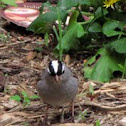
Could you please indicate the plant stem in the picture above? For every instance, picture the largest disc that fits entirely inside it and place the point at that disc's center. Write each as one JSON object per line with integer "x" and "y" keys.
{"x": 56, "y": 33}
{"x": 124, "y": 71}
{"x": 60, "y": 35}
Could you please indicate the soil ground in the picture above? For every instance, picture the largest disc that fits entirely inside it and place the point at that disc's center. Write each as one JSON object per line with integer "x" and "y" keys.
{"x": 20, "y": 69}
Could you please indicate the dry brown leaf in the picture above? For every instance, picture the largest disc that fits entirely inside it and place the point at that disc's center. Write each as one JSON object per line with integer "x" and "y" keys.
{"x": 2, "y": 45}
{"x": 13, "y": 39}
{"x": 110, "y": 95}
{"x": 39, "y": 55}
{"x": 15, "y": 120}
{"x": 10, "y": 104}
{"x": 122, "y": 122}
{"x": 1, "y": 109}
{"x": 5, "y": 119}
{"x": 71, "y": 124}
{"x": 45, "y": 60}
{"x": 23, "y": 87}
{"x": 31, "y": 55}
{"x": 67, "y": 59}
{"x": 2, "y": 81}
{"x": 15, "y": 64}
{"x": 112, "y": 85}
{"x": 29, "y": 46}
{"x": 21, "y": 114}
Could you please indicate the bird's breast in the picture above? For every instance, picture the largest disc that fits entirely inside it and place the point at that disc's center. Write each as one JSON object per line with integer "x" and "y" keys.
{"x": 59, "y": 94}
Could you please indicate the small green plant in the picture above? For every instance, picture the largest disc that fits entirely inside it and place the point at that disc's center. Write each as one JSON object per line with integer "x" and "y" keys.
{"x": 82, "y": 115}
{"x": 46, "y": 39}
{"x": 91, "y": 92}
{"x": 24, "y": 98}
{"x": 59, "y": 36}
{"x": 26, "y": 124}
{"x": 6, "y": 90}
{"x": 98, "y": 123}
{"x": 91, "y": 89}
{"x": 4, "y": 38}
{"x": 17, "y": 98}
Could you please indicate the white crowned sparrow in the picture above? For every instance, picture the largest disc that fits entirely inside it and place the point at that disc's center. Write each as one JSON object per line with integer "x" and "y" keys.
{"x": 57, "y": 85}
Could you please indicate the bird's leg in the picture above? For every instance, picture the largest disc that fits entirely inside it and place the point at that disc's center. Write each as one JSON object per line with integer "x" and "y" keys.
{"x": 72, "y": 108}
{"x": 44, "y": 122}
{"x": 62, "y": 115}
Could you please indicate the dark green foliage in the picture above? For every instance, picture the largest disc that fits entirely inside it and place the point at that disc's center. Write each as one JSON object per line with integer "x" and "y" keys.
{"x": 8, "y": 2}
{"x": 102, "y": 66}
{"x": 102, "y": 25}
{"x": 25, "y": 98}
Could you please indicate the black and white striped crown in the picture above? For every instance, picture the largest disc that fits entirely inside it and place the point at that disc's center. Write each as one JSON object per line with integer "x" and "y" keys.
{"x": 56, "y": 68}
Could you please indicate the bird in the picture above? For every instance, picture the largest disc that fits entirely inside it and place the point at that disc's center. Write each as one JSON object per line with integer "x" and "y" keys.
{"x": 57, "y": 86}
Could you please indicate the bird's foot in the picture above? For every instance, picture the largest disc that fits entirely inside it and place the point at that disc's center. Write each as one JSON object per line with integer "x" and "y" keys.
{"x": 62, "y": 120}
{"x": 70, "y": 120}
{"x": 44, "y": 122}
{"x": 62, "y": 116}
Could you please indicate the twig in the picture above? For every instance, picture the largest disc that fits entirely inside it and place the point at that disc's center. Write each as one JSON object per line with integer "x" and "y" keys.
{"x": 102, "y": 107}
{"x": 2, "y": 30}
{"x": 28, "y": 108}
{"x": 15, "y": 121}
{"x": 17, "y": 108}
{"x": 16, "y": 43}
{"x": 35, "y": 116}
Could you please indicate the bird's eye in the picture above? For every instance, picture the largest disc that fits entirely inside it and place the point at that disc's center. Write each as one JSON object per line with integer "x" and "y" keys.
{"x": 51, "y": 70}
{"x": 63, "y": 71}
{"x": 60, "y": 68}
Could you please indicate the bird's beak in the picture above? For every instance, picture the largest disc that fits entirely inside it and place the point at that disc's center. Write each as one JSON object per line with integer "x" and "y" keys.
{"x": 57, "y": 78}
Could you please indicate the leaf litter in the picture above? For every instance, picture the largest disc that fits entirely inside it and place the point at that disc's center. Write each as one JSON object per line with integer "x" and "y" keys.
{"x": 20, "y": 70}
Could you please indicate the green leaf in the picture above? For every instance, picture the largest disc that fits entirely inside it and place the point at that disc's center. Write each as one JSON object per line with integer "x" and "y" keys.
{"x": 45, "y": 21}
{"x": 74, "y": 31}
{"x": 9, "y": 2}
{"x": 91, "y": 89}
{"x": 84, "y": 2}
{"x": 46, "y": 37}
{"x": 121, "y": 25}
{"x": 80, "y": 31}
{"x": 16, "y": 98}
{"x": 118, "y": 45}
{"x": 34, "y": 97}
{"x": 95, "y": 28}
{"x": 109, "y": 28}
{"x": 47, "y": 4}
{"x": 67, "y": 4}
{"x": 101, "y": 66}
{"x": 2, "y": 6}
{"x": 98, "y": 123}
{"x": 25, "y": 95}
{"x": 38, "y": 49}
{"x": 69, "y": 39}
{"x": 100, "y": 12}
{"x": 96, "y": 3}
{"x": 27, "y": 101}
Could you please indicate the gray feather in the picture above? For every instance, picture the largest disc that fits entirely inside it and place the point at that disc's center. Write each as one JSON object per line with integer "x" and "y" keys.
{"x": 59, "y": 93}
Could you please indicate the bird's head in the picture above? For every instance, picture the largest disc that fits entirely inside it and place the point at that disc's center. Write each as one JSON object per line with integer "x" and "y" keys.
{"x": 56, "y": 69}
